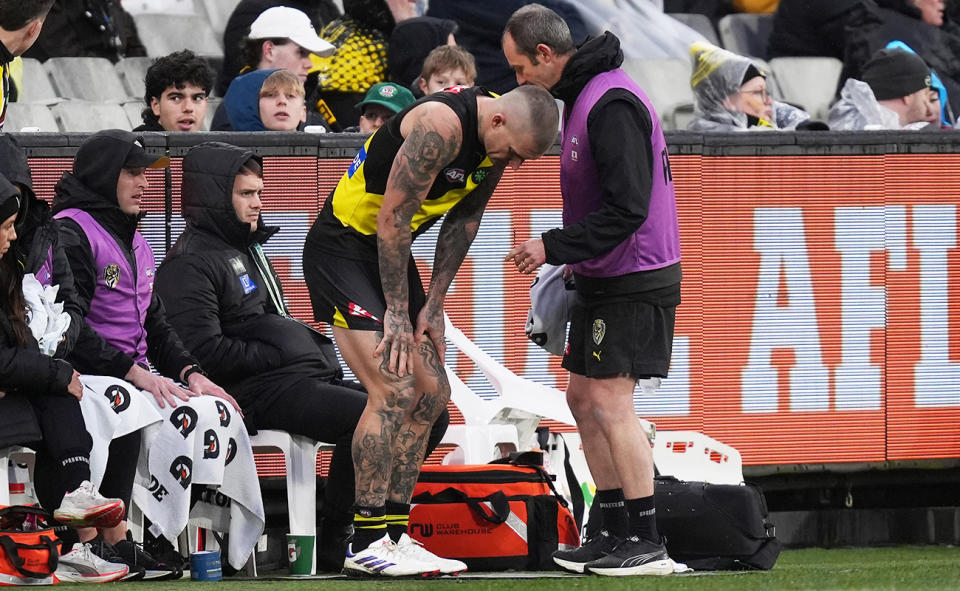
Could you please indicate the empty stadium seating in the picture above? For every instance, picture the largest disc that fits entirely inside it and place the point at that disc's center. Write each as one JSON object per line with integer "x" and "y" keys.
{"x": 21, "y": 115}
{"x": 808, "y": 82}
{"x": 90, "y": 116}
{"x": 132, "y": 72}
{"x": 162, "y": 34}
{"x": 666, "y": 82}
{"x": 699, "y": 23}
{"x": 85, "y": 78}
{"x": 36, "y": 86}
{"x": 746, "y": 33}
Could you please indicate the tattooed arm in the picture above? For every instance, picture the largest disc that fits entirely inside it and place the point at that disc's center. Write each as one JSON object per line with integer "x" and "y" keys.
{"x": 456, "y": 235}
{"x": 432, "y": 139}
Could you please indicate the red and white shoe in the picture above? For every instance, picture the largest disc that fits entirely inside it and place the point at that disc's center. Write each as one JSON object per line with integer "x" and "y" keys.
{"x": 85, "y": 507}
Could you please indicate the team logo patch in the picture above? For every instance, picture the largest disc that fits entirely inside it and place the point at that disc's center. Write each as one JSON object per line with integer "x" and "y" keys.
{"x": 224, "y": 414}
{"x": 111, "y": 275}
{"x": 237, "y": 265}
{"x": 479, "y": 175}
{"x": 231, "y": 451}
{"x": 182, "y": 470}
{"x": 149, "y": 273}
{"x": 599, "y": 329}
{"x": 455, "y": 175}
{"x": 211, "y": 444}
{"x": 355, "y": 310}
{"x": 456, "y": 89}
{"x": 119, "y": 398}
{"x": 357, "y": 161}
{"x": 184, "y": 419}
{"x": 247, "y": 284}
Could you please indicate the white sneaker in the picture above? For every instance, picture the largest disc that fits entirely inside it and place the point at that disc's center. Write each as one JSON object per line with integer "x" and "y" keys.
{"x": 81, "y": 565}
{"x": 85, "y": 507}
{"x": 446, "y": 566}
{"x": 384, "y": 559}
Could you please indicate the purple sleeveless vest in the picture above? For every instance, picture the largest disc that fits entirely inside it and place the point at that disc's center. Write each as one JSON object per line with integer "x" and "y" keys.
{"x": 120, "y": 301}
{"x": 656, "y": 244}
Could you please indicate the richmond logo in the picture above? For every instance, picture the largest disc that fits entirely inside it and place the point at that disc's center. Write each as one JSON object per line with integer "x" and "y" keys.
{"x": 111, "y": 275}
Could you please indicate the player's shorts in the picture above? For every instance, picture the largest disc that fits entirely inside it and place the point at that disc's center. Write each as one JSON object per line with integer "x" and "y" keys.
{"x": 348, "y": 293}
{"x": 630, "y": 334}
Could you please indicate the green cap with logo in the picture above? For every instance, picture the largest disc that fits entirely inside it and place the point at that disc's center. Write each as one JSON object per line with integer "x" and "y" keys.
{"x": 389, "y": 95}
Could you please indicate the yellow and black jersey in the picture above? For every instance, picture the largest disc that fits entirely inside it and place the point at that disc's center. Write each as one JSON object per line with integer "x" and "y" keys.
{"x": 347, "y": 224}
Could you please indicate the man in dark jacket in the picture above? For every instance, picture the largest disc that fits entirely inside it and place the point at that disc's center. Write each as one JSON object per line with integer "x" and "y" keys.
{"x": 223, "y": 295}
{"x": 88, "y": 28}
{"x": 621, "y": 241}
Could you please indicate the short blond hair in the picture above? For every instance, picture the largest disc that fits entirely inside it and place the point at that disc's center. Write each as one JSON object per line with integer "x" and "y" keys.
{"x": 445, "y": 58}
{"x": 283, "y": 81}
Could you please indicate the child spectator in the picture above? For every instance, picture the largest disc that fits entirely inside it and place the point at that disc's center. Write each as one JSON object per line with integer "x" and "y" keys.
{"x": 266, "y": 100}
{"x": 446, "y": 66}
{"x": 176, "y": 96}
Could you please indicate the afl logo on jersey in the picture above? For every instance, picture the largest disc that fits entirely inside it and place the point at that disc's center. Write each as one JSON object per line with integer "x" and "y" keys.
{"x": 455, "y": 176}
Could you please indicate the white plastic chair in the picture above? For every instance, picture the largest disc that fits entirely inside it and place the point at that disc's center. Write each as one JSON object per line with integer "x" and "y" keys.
{"x": 17, "y": 454}
{"x": 691, "y": 455}
{"x": 300, "y": 460}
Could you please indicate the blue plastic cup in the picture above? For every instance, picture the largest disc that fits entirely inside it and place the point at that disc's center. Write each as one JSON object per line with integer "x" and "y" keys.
{"x": 205, "y": 566}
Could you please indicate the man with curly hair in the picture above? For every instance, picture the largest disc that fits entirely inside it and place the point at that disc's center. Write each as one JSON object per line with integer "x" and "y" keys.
{"x": 177, "y": 86}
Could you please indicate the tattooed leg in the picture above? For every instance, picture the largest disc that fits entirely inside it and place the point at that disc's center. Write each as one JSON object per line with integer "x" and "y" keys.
{"x": 412, "y": 435}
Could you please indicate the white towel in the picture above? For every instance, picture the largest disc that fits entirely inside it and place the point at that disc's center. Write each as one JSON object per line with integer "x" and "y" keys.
{"x": 551, "y": 302}
{"x": 46, "y": 318}
{"x": 111, "y": 408}
{"x": 201, "y": 442}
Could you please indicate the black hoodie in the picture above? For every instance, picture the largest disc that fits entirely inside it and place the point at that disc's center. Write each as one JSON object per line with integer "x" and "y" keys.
{"x": 217, "y": 295}
{"x": 619, "y": 126}
{"x": 92, "y": 187}
{"x": 37, "y": 239}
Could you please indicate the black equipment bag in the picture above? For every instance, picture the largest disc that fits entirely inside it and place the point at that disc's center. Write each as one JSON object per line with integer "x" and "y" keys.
{"x": 715, "y": 526}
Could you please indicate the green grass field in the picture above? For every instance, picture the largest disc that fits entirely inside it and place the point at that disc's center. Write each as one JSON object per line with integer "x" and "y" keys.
{"x": 906, "y": 568}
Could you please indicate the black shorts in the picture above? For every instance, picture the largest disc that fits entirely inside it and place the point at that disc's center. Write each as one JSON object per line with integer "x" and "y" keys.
{"x": 629, "y": 334}
{"x": 348, "y": 293}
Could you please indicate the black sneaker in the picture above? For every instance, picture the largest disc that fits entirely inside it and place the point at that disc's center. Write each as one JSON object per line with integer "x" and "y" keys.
{"x": 135, "y": 556}
{"x": 596, "y": 547}
{"x": 633, "y": 556}
{"x": 109, "y": 553}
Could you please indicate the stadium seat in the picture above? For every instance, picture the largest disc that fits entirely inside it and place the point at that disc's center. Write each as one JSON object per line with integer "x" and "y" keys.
{"x": 700, "y": 23}
{"x": 300, "y": 459}
{"x": 666, "y": 82}
{"x": 132, "y": 72}
{"x": 746, "y": 34}
{"x": 90, "y": 116}
{"x": 85, "y": 78}
{"x": 160, "y": 6}
{"x": 37, "y": 87}
{"x": 218, "y": 12}
{"x": 133, "y": 108}
{"x": 809, "y": 82}
{"x": 20, "y": 115}
{"x": 162, "y": 34}
{"x": 213, "y": 104}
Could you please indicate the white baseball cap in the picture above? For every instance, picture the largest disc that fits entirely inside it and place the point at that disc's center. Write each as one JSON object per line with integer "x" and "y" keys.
{"x": 283, "y": 22}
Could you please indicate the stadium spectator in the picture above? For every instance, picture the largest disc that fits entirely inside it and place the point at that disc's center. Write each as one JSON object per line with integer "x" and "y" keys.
{"x": 620, "y": 239}
{"x": 441, "y": 157}
{"x": 809, "y": 28}
{"x": 411, "y": 42}
{"x": 320, "y": 12}
{"x": 21, "y": 22}
{"x": 730, "y": 94}
{"x": 266, "y": 100}
{"x": 90, "y": 556}
{"x": 177, "y": 87}
{"x": 895, "y": 93}
{"x": 479, "y": 25}
{"x": 382, "y": 101}
{"x": 91, "y": 28}
{"x": 446, "y": 66}
{"x": 224, "y": 296}
{"x": 919, "y": 24}
{"x": 280, "y": 38}
{"x": 360, "y": 60}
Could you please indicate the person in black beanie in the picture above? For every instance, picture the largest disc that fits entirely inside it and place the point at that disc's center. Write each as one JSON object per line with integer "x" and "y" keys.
{"x": 900, "y": 81}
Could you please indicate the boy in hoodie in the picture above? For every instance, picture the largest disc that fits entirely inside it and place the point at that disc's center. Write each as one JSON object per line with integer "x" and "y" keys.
{"x": 266, "y": 100}
{"x": 621, "y": 241}
{"x": 223, "y": 295}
